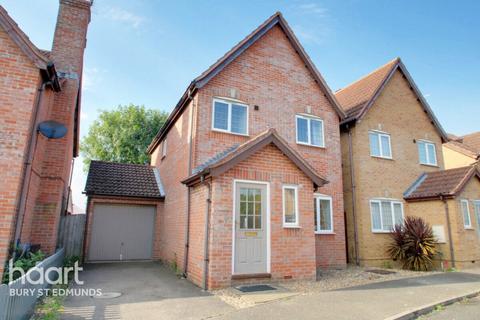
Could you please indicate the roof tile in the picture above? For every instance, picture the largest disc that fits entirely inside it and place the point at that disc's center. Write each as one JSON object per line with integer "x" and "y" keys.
{"x": 123, "y": 179}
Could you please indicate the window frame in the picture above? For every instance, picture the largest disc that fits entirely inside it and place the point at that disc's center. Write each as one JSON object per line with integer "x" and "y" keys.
{"x": 296, "y": 224}
{"x": 380, "y": 148}
{"x": 230, "y": 102}
{"x": 319, "y": 197}
{"x": 426, "y": 143}
{"x": 309, "y": 118}
{"x": 392, "y": 202}
{"x": 469, "y": 226}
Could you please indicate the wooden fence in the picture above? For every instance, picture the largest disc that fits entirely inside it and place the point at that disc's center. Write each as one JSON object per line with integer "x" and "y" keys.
{"x": 70, "y": 235}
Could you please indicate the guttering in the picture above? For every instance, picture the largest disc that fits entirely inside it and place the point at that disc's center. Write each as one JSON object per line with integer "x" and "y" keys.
{"x": 177, "y": 111}
{"x": 354, "y": 202}
{"x": 449, "y": 229}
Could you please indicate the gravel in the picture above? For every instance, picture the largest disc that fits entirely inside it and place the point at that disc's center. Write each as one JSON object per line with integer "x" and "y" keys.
{"x": 327, "y": 280}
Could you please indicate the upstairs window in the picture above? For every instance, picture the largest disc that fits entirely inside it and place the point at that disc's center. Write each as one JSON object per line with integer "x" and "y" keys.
{"x": 310, "y": 131}
{"x": 426, "y": 153}
{"x": 385, "y": 214}
{"x": 230, "y": 117}
{"x": 380, "y": 145}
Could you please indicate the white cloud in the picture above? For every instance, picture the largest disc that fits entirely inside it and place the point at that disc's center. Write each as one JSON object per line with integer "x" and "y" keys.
{"x": 313, "y": 8}
{"x": 83, "y": 115}
{"x": 122, "y": 15}
{"x": 91, "y": 78}
{"x": 309, "y": 35}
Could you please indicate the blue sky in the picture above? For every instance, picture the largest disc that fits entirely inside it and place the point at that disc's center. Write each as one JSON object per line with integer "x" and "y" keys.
{"x": 147, "y": 51}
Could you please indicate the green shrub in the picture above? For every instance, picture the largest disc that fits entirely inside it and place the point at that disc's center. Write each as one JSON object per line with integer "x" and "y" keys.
{"x": 413, "y": 244}
{"x": 25, "y": 262}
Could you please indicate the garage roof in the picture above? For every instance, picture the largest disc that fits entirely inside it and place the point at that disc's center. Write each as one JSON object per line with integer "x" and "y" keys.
{"x": 123, "y": 179}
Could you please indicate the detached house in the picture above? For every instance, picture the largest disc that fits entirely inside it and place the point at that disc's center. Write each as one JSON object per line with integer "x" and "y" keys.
{"x": 245, "y": 176}
{"x": 39, "y": 91}
{"x": 393, "y": 167}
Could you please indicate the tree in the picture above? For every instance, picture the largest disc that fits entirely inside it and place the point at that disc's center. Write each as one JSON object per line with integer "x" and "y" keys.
{"x": 122, "y": 135}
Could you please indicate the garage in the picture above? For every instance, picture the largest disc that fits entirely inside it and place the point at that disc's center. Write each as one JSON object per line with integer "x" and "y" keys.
{"x": 121, "y": 232}
{"x": 123, "y": 212}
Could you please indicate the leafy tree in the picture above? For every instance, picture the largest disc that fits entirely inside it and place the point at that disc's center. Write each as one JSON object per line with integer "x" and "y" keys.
{"x": 122, "y": 135}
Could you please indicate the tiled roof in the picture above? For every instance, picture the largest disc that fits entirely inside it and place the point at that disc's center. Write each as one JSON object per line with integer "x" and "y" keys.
{"x": 356, "y": 95}
{"x": 472, "y": 140}
{"x": 446, "y": 183}
{"x": 230, "y": 157}
{"x": 122, "y": 179}
{"x": 463, "y": 148}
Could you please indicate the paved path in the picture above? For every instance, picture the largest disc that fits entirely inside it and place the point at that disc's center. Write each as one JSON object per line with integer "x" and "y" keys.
{"x": 463, "y": 310}
{"x": 368, "y": 302}
{"x": 151, "y": 291}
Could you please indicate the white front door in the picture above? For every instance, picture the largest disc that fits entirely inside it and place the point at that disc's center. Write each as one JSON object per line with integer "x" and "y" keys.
{"x": 250, "y": 255}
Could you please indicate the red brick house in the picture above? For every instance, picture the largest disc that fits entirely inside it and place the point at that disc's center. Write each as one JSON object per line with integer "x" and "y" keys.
{"x": 249, "y": 171}
{"x": 36, "y": 86}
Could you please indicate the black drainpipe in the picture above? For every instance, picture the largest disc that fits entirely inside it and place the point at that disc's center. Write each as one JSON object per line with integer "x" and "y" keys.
{"x": 449, "y": 228}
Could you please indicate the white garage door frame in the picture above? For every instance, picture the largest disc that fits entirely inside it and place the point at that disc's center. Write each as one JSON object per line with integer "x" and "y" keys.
{"x": 121, "y": 232}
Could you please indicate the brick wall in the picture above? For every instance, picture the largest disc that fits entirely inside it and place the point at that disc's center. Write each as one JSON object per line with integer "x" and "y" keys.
{"x": 19, "y": 82}
{"x": 292, "y": 250}
{"x": 398, "y": 113}
{"x": 67, "y": 52}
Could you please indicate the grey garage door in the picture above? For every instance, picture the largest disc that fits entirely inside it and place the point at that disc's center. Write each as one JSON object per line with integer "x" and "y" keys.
{"x": 121, "y": 232}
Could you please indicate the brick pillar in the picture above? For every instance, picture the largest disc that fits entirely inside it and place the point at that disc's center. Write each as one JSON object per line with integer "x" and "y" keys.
{"x": 67, "y": 53}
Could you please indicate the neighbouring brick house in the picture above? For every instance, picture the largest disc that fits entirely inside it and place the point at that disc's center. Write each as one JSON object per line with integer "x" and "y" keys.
{"x": 391, "y": 146}
{"x": 462, "y": 151}
{"x": 249, "y": 164}
{"x": 35, "y": 86}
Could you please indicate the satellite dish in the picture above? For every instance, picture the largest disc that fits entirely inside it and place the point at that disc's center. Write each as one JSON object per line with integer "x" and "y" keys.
{"x": 52, "y": 129}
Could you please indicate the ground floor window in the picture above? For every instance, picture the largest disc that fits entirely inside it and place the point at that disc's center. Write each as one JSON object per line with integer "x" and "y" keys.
{"x": 323, "y": 214}
{"x": 467, "y": 222}
{"x": 290, "y": 206}
{"x": 385, "y": 214}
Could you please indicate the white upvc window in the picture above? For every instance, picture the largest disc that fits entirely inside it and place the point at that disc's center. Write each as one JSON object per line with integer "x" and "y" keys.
{"x": 476, "y": 205}
{"x": 385, "y": 214}
{"x": 380, "y": 144}
{"x": 164, "y": 148}
{"x": 290, "y": 206}
{"x": 467, "y": 222}
{"x": 310, "y": 131}
{"x": 230, "y": 116}
{"x": 323, "y": 214}
{"x": 427, "y": 153}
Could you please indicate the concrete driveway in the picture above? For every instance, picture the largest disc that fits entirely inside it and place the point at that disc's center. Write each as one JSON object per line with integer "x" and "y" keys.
{"x": 148, "y": 291}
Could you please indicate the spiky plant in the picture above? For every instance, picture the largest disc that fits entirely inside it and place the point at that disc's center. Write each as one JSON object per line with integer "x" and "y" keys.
{"x": 413, "y": 244}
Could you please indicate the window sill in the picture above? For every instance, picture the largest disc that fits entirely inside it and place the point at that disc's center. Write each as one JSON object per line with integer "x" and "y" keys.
{"x": 380, "y": 157}
{"x": 324, "y": 232}
{"x": 310, "y": 145}
{"x": 286, "y": 226}
{"x": 429, "y": 165}
{"x": 380, "y": 231}
{"x": 469, "y": 228}
{"x": 229, "y": 132}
